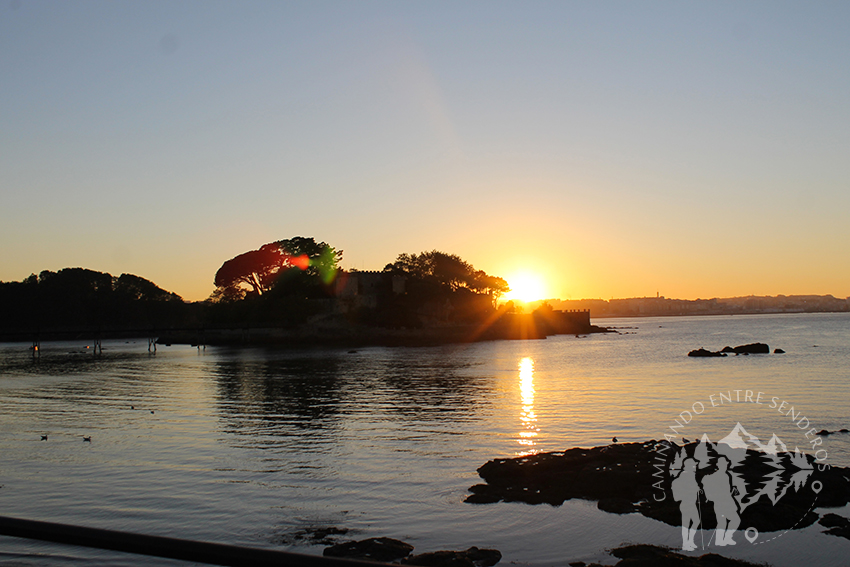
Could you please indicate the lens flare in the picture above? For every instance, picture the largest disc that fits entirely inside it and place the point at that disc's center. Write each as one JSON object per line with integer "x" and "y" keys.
{"x": 301, "y": 262}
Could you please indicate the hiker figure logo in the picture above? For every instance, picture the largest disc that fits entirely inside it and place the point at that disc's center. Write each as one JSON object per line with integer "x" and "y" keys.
{"x": 714, "y": 483}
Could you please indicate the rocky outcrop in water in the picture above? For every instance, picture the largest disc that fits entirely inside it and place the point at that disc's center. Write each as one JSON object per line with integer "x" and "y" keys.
{"x": 636, "y": 477}
{"x": 753, "y": 348}
{"x": 472, "y": 557}
{"x": 386, "y": 550}
{"x": 383, "y": 549}
{"x": 838, "y": 525}
{"x": 656, "y": 556}
{"x": 701, "y": 352}
{"x": 826, "y": 432}
{"x": 315, "y": 535}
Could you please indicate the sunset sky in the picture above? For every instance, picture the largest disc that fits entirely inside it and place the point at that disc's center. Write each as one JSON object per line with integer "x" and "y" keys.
{"x": 617, "y": 149}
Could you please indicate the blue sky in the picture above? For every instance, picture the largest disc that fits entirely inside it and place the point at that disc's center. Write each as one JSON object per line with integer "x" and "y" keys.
{"x": 615, "y": 148}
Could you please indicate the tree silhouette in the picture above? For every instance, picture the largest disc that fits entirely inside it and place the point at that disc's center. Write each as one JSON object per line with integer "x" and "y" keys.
{"x": 261, "y": 269}
{"x": 254, "y": 268}
{"x": 137, "y": 288}
{"x": 447, "y": 271}
{"x": 80, "y": 299}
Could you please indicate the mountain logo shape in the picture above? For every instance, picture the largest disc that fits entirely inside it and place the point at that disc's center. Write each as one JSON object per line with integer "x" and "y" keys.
{"x": 756, "y": 469}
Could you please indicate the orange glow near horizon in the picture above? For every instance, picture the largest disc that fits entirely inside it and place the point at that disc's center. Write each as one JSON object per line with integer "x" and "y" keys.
{"x": 525, "y": 287}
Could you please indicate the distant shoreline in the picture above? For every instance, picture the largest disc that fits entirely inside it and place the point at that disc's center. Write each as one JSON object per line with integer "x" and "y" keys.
{"x": 718, "y": 314}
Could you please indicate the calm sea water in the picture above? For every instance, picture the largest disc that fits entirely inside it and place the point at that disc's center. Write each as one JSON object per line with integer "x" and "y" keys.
{"x": 251, "y": 446}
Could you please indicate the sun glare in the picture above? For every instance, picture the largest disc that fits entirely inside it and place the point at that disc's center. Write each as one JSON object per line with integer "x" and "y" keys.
{"x": 525, "y": 287}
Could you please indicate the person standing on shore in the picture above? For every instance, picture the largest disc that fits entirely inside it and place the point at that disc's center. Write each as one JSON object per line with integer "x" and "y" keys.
{"x": 718, "y": 489}
{"x": 686, "y": 490}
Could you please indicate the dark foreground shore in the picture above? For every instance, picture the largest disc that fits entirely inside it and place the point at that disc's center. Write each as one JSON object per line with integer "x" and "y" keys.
{"x": 781, "y": 492}
{"x": 626, "y": 478}
{"x": 388, "y": 550}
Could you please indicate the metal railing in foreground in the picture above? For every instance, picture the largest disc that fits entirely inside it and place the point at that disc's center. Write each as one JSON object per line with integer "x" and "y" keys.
{"x": 168, "y": 547}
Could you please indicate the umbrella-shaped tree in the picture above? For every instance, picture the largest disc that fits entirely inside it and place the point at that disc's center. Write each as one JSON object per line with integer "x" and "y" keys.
{"x": 260, "y": 269}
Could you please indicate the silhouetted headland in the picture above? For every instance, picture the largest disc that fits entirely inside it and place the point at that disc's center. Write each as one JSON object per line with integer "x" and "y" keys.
{"x": 335, "y": 330}
{"x": 289, "y": 292}
{"x": 76, "y": 303}
{"x": 293, "y": 291}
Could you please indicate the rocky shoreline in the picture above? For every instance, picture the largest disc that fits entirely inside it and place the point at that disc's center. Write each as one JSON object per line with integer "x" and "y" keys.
{"x": 626, "y": 478}
{"x": 396, "y": 552}
{"x": 389, "y": 550}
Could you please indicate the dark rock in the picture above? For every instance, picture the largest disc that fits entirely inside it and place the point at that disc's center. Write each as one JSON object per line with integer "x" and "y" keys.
{"x": 656, "y": 556}
{"x": 484, "y": 557}
{"x": 322, "y": 534}
{"x": 753, "y": 348}
{"x": 382, "y": 549}
{"x": 727, "y": 349}
{"x": 616, "y": 506}
{"x": 778, "y": 351}
{"x": 702, "y": 352}
{"x": 472, "y": 557}
{"x": 838, "y": 525}
{"x": 624, "y": 478}
{"x": 844, "y": 430}
{"x": 439, "y": 559}
{"x": 833, "y": 521}
{"x": 482, "y": 494}
{"x": 314, "y": 535}
{"x": 482, "y": 498}
{"x": 824, "y": 433}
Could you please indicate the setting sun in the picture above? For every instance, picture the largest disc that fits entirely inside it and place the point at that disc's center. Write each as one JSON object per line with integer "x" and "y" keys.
{"x": 525, "y": 287}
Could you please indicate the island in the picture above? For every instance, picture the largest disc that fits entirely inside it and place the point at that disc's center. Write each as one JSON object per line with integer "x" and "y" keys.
{"x": 287, "y": 292}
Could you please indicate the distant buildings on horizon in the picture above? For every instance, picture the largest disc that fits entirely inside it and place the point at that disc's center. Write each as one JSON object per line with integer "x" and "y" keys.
{"x": 660, "y": 305}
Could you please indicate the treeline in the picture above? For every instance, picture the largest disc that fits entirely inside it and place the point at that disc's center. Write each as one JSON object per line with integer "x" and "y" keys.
{"x": 77, "y": 299}
{"x": 281, "y": 284}
{"x": 286, "y": 283}
{"x": 436, "y": 289}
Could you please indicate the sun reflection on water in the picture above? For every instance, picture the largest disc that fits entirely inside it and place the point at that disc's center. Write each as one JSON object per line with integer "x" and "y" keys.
{"x": 529, "y": 430}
